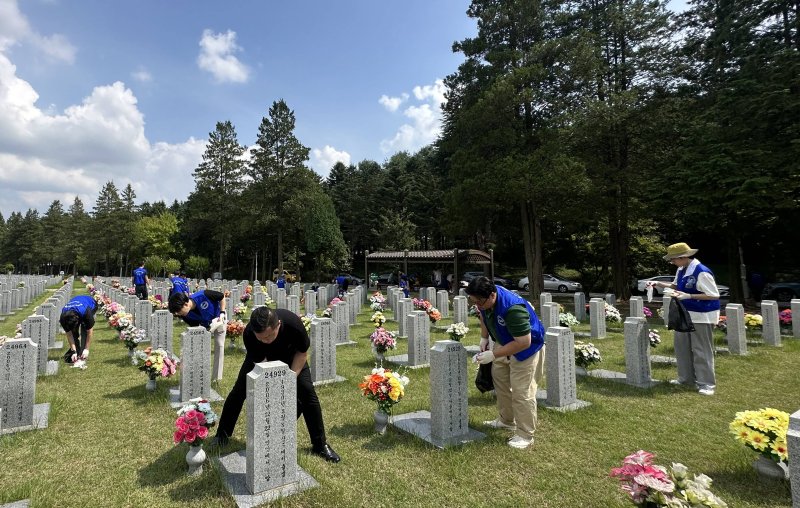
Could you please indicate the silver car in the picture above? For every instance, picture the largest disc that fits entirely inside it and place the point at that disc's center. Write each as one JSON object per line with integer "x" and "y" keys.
{"x": 553, "y": 283}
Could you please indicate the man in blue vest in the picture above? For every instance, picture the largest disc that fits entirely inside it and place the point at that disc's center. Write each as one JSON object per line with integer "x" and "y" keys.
{"x": 207, "y": 309}
{"x": 695, "y": 287}
{"x": 141, "y": 281}
{"x": 517, "y": 356}
{"x": 77, "y": 319}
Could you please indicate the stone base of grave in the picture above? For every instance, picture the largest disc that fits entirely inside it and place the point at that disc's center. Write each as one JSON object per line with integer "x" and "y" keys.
{"x": 440, "y": 328}
{"x": 619, "y": 376}
{"x": 582, "y": 334}
{"x": 418, "y": 424}
{"x": 541, "y": 399}
{"x": 56, "y": 345}
{"x": 25, "y": 503}
{"x": 41, "y": 416}
{"x": 52, "y": 368}
{"x": 234, "y": 474}
{"x": 337, "y": 379}
{"x": 176, "y": 402}
{"x": 346, "y": 343}
{"x": 670, "y": 360}
{"x": 403, "y": 360}
{"x": 472, "y": 350}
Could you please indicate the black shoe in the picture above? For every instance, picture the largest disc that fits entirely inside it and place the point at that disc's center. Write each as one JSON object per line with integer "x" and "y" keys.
{"x": 327, "y": 453}
{"x": 218, "y": 441}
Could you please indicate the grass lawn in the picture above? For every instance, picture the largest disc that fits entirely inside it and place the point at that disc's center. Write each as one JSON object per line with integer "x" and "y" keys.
{"x": 109, "y": 441}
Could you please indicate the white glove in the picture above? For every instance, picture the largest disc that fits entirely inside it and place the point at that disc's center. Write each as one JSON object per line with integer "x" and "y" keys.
{"x": 680, "y": 295}
{"x": 74, "y": 357}
{"x": 223, "y": 316}
{"x": 484, "y": 343}
{"x": 84, "y": 354}
{"x": 216, "y": 324}
{"x": 483, "y": 357}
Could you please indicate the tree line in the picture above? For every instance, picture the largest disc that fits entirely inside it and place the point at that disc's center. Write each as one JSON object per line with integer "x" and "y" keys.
{"x": 583, "y": 135}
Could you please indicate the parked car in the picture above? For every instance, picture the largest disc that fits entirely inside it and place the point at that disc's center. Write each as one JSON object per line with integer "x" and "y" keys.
{"x": 500, "y": 281}
{"x": 641, "y": 285}
{"x": 553, "y": 283}
{"x": 781, "y": 291}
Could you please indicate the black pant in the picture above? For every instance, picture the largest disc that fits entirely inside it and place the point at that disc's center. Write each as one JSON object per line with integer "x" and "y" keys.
{"x": 141, "y": 291}
{"x": 307, "y": 405}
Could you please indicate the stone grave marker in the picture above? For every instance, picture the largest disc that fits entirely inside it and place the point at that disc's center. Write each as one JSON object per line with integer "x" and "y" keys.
{"x": 259, "y": 297}
{"x": 795, "y": 304}
{"x": 579, "y": 300}
{"x": 280, "y": 299}
{"x": 771, "y": 328}
{"x": 793, "y": 442}
{"x": 37, "y": 328}
{"x": 195, "y": 367}
{"x": 310, "y": 303}
{"x": 443, "y": 302}
{"x": 611, "y": 298}
{"x": 18, "y": 368}
{"x": 637, "y": 306}
{"x": 341, "y": 319}
{"x": 142, "y": 318}
{"x": 323, "y": 352}
{"x": 637, "y": 352}
{"x": 597, "y": 318}
{"x": 549, "y": 315}
{"x": 419, "y": 333}
{"x": 49, "y": 311}
{"x": 404, "y": 308}
{"x": 545, "y": 298}
{"x": 293, "y": 304}
{"x": 160, "y": 332}
{"x": 460, "y": 310}
{"x": 562, "y": 394}
{"x": 735, "y": 334}
{"x": 322, "y": 297}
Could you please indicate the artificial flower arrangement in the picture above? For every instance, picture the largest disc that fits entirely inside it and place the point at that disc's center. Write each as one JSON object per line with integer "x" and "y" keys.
{"x": 420, "y": 304}
{"x": 722, "y": 324}
{"x": 131, "y": 290}
{"x": 307, "y": 319}
{"x": 383, "y": 340}
{"x": 652, "y": 485}
{"x": 785, "y": 317}
{"x": 612, "y": 314}
{"x": 384, "y": 387}
{"x": 753, "y": 321}
{"x": 111, "y": 308}
{"x": 3, "y": 339}
{"x": 115, "y": 283}
{"x": 246, "y": 296}
{"x": 132, "y": 336}
{"x": 156, "y": 362}
{"x": 647, "y": 312}
{"x": 457, "y": 331}
{"x": 234, "y": 329}
{"x": 655, "y": 338}
{"x": 763, "y": 431}
{"x": 377, "y": 301}
{"x": 586, "y": 354}
{"x": 100, "y": 300}
{"x": 21, "y": 284}
{"x": 378, "y": 319}
{"x": 90, "y": 288}
{"x": 120, "y": 321}
{"x": 239, "y": 310}
{"x": 194, "y": 420}
{"x": 434, "y": 315}
{"x": 156, "y": 302}
{"x": 567, "y": 319}
{"x": 328, "y": 312}
{"x": 18, "y": 331}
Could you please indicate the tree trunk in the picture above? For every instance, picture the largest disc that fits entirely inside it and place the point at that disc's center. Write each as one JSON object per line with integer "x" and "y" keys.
{"x": 734, "y": 264}
{"x": 532, "y": 240}
{"x": 280, "y": 253}
{"x": 221, "y": 251}
{"x": 619, "y": 240}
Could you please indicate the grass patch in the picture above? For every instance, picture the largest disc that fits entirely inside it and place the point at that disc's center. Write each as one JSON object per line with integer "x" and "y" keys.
{"x": 109, "y": 441}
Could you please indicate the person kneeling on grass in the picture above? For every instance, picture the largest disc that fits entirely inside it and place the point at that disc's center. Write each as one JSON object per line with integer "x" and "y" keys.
{"x": 77, "y": 319}
{"x": 204, "y": 308}
{"x": 278, "y": 335}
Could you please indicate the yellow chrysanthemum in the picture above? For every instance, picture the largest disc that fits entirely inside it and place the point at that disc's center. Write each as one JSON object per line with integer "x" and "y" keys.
{"x": 780, "y": 449}
{"x": 758, "y": 441}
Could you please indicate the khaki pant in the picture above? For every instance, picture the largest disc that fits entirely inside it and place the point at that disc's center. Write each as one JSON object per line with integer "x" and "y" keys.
{"x": 515, "y": 384}
{"x": 219, "y": 353}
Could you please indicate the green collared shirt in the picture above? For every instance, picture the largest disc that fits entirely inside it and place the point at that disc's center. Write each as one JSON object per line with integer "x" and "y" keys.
{"x": 518, "y": 321}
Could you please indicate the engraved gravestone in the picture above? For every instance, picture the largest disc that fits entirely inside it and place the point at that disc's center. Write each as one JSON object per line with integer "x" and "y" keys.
{"x": 560, "y": 370}
{"x": 597, "y": 318}
{"x": 310, "y": 303}
{"x": 637, "y": 306}
{"x": 735, "y": 333}
{"x": 18, "y": 369}
{"x": 637, "y": 352}
{"x": 448, "y": 378}
{"x": 404, "y": 308}
{"x": 280, "y": 298}
{"x": 195, "y": 363}
{"x": 579, "y": 300}
{"x": 342, "y": 321}
{"x": 771, "y": 328}
{"x": 443, "y": 303}
{"x": 460, "y": 312}
{"x": 142, "y": 318}
{"x": 293, "y": 304}
{"x": 419, "y": 331}
{"x": 323, "y": 351}
{"x": 161, "y": 330}
{"x": 37, "y": 328}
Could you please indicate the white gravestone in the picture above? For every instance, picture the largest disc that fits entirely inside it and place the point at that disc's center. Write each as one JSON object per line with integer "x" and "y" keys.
{"x": 322, "y": 297}
{"x": 142, "y": 318}
{"x": 195, "y": 367}
{"x": 161, "y": 330}
{"x": 18, "y": 369}
{"x": 443, "y": 303}
{"x": 579, "y": 299}
{"x": 545, "y": 298}
{"x": 404, "y": 308}
{"x": 460, "y": 309}
{"x": 637, "y": 352}
{"x": 323, "y": 352}
{"x": 637, "y": 306}
{"x": 341, "y": 319}
{"x": 771, "y": 328}
{"x": 310, "y": 303}
{"x": 735, "y": 334}
{"x": 280, "y": 299}
{"x": 597, "y": 318}
{"x": 549, "y": 315}
{"x": 37, "y": 328}
{"x": 562, "y": 392}
{"x": 49, "y": 311}
{"x": 795, "y": 303}
{"x": 611, "y": 299}
{"x": 793, "y": 442}
{"x": 293, "y": 304}
{"x": 419, "y": 332}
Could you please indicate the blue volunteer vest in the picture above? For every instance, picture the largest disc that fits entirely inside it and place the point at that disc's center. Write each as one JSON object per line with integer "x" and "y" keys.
{"x": 505, "y": 300}
{"x": 688, "y": 284}
{"x": 80, "y": 304}
{"x": 281, "y": 283}
{"x": 139, "y": 276}
{"x": 204, "y": 310}
{"x": 179, "y": 285}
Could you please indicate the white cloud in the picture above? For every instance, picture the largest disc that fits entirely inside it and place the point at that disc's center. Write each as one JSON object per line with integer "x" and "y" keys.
{"x": 47, "y": 155}
{"x": 142, "y": 75}
{"x": 322, "y": 160}
{"x": 14, "y": 29}
{"x": 216, "y": 56}
{"x": 425, "y": 120}
{"x": 392, "y": 103}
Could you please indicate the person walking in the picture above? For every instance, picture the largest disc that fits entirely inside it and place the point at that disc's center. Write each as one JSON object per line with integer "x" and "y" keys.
{"x": 517, "y": 359}
{"x": 278, "y": 335}
{"x": 695, "y": 287}
{"x": 141, "y": 281}
{"x": 205, "y": 308}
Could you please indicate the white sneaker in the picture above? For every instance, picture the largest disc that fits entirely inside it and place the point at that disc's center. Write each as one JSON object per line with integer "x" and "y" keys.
{"x": 706, "y": 391}
{"x": 498, "y": 424}
{"x": 519, "y": 442}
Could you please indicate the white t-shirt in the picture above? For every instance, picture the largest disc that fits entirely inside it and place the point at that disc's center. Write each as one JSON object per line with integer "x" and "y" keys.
{"x": 706, "y": 285}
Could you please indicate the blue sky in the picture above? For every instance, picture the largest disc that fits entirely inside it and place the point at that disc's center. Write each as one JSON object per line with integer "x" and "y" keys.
{"x": 93, "y": 90}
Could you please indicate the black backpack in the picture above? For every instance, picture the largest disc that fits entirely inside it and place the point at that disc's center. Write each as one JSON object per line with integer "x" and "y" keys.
{"x": 679, "y": 319}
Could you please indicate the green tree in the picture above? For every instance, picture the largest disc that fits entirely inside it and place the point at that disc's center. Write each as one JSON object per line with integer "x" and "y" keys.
{"x": 75, "y": 242}
{"x": 324, "y": 235}
{"x": 31, "y": 242}
{"x": 154, "y": 264}
{"x": 154, "y": 235}
{"x": 54, "y": 229}
{"x": 198, "y": 266}
{"x": 109, "y": 226}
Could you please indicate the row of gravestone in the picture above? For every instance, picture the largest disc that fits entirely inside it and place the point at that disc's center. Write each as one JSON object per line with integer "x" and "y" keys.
{"x": 17, "y": 291}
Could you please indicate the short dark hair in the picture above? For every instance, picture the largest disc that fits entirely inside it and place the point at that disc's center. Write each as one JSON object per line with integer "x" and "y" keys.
{"x": 262, "y": 318}
{"x": 182, "y": 275}
{"x": 141, "y": 263}
{"x": 177, "y": 301}
{"x": 70, "y": 320}
{"x": 481, "y": 287}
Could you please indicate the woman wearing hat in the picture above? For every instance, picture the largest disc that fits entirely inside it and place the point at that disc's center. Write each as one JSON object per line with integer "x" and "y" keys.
{"x": 695, "y": 287}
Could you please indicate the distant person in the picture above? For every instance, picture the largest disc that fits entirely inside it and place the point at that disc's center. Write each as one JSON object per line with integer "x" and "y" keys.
{"x": 179, "y": 284}
{"x": 207, "y": 309}
{"x": 141, "y": 281}
{"x": 281, "y": 282}
{"x": 697, "y": 290}
{"x": 278, "y": 335}
{"x": 756, "y": 283}
{"x": 404, "y": 284}
{"x": 77, "y": 320}
{"x": 340, "y": 282}
{"x": 450, "y": 286}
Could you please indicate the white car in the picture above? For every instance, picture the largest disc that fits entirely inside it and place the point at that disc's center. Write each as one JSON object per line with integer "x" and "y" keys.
{"x": 641, "y": 285}
{"x": 553, "y": 283}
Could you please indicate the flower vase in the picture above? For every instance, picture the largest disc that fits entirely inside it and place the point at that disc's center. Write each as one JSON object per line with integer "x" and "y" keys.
{"x": 195, "y": 458}
{"x": 151, "y": 383}
{"x": 768, "y": 469}
{"x": 379, "y": 355}
{"x": 130, "y": 353}
{"x": 381, "y": 422}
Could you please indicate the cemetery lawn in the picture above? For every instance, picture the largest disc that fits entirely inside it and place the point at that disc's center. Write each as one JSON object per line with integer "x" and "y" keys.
{"x": 109, "y": 442}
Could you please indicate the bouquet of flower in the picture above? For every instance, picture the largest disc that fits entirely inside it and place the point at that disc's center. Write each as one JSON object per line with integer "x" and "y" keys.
{"x": 239, "y": 310}
{"x": 83, "y": 280}
{"x": 378, "y": 301}
{"x": 763, "y": 431}
{"x": 586, "y": 354}
{"x": 652, "y": 485}
{"x": 111, "y": 308}
{"x": 434, "y": 315}
{"x": 21, "y": 284}
{"x": 131, "y": 336}
{"x": 382, "y": 340}
{"x": 612, "y": 314}
{"x": 567, "y": 319}
{"x": 647, "y": 312}
{"x": 156, "y": 302}
{"x": 753, "y": 321}
{"x": 785, "y": 317}
{"x": 155, "y": 362}
{"x": 4, "y": 338}
{"x": 660, "y": 312}
{"x": 384, "y": 387}
{"x": 90, "y": 289}
{"x": 131, "y": 290}
{"x": 115, "y": 283}
{"x": 457, "y": 331}
{"x": 722, "y": 324}
{"x": 655, "y": 338}
{"x": 329, "y": 311}
{"x": 99, "y": 299}
{"x": 120, "y": 321}
{"x": 18, "y": 331}
{"x": 378, "y": 319}
{"x": 234, "y": 329}
{"x": 194, "y": 420}
{"x": 307, "y": 322}
{"x": 420, "y": 304}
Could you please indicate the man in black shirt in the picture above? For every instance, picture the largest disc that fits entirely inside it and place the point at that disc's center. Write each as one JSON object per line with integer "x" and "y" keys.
{"x": 278, "y": 335}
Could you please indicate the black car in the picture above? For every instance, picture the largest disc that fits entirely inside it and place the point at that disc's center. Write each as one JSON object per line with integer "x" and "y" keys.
{"x": 781, "y": 291}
